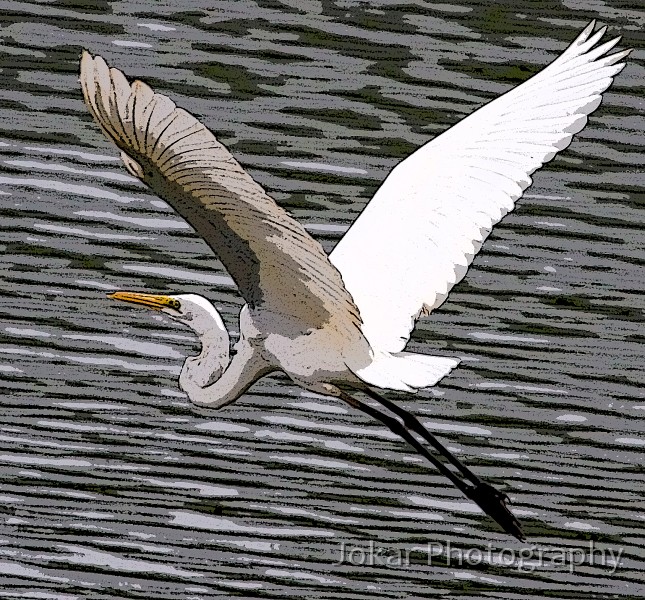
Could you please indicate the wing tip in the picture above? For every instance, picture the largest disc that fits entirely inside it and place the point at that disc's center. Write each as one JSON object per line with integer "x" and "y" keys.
{"x": 87, "y": 79}
{"x": 617, "y": 57}
{"x": 586, "y": 44}
{"x": 86, "y": 66}
{"x": 585, "y": 34}
{"x": 103, "y": 90}
{"x": 131, "y": 114}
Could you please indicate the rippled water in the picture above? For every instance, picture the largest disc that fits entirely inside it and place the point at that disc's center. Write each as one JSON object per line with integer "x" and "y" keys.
{"x": 113, "y": 486}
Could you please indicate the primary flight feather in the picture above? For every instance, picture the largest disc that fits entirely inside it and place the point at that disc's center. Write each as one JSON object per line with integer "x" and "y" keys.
{"x": 343, "y": 321}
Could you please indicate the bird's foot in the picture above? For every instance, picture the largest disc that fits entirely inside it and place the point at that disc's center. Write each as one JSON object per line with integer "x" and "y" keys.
{"x": 494, "y": 504}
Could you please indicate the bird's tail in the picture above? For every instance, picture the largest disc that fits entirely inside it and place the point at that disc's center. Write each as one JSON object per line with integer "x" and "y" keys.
{"x": 406, "y": 371}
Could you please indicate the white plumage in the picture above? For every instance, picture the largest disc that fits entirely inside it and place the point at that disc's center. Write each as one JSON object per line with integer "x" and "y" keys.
{"x": 413, "y": 242}
{"x": 417, "y": 236}
{"x": 343, "y": 321}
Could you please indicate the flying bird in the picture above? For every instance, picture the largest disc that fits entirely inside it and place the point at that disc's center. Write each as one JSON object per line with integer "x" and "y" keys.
{"x": 341, "y": 322}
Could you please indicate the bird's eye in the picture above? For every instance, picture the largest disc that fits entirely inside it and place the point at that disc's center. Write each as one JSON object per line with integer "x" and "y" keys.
{"x": 175, "y": 304}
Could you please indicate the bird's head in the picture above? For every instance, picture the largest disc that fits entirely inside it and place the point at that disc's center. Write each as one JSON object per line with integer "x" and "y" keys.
{"x": 191, "y": 310}
{"x": 202, "y": 317}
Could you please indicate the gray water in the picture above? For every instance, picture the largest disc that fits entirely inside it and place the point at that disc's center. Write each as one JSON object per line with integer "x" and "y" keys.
{"x": 114, "y": 486}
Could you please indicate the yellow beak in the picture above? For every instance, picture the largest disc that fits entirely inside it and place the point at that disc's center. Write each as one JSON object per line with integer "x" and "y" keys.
{"x": 149, "y": 300}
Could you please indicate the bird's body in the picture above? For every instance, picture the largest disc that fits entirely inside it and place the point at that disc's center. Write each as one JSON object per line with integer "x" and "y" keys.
{"x": 343, "y": 320}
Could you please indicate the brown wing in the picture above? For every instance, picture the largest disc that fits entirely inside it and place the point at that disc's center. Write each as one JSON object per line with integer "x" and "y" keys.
{"x": 275, "y": 263}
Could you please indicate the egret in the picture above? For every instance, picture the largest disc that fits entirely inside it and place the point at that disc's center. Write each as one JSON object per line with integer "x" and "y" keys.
{"x": 341, "y": 322}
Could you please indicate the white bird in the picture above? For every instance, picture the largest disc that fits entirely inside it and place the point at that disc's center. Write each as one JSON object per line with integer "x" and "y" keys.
{"x": 342, "y": 321}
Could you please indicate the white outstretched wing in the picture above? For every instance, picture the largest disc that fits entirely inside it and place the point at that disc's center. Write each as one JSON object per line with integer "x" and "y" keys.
{"x": 416, "y": 238}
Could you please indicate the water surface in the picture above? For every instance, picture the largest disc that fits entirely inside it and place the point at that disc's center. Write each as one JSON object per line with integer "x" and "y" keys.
{"x": 113, "y": 486}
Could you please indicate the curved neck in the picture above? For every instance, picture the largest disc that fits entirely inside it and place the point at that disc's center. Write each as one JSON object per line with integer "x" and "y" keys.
{"x": 208, "y": 366}
{"x": 212, "y": 378}
{"x": 229, "y": 381}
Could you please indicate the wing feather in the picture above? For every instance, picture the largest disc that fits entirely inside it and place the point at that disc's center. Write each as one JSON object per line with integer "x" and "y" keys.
{"x": 416, "y": 238}
{"x": 276, "y": 264}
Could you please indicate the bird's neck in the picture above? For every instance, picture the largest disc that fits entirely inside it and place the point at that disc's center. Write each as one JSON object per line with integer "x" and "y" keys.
{"x": 207, "y": 367}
